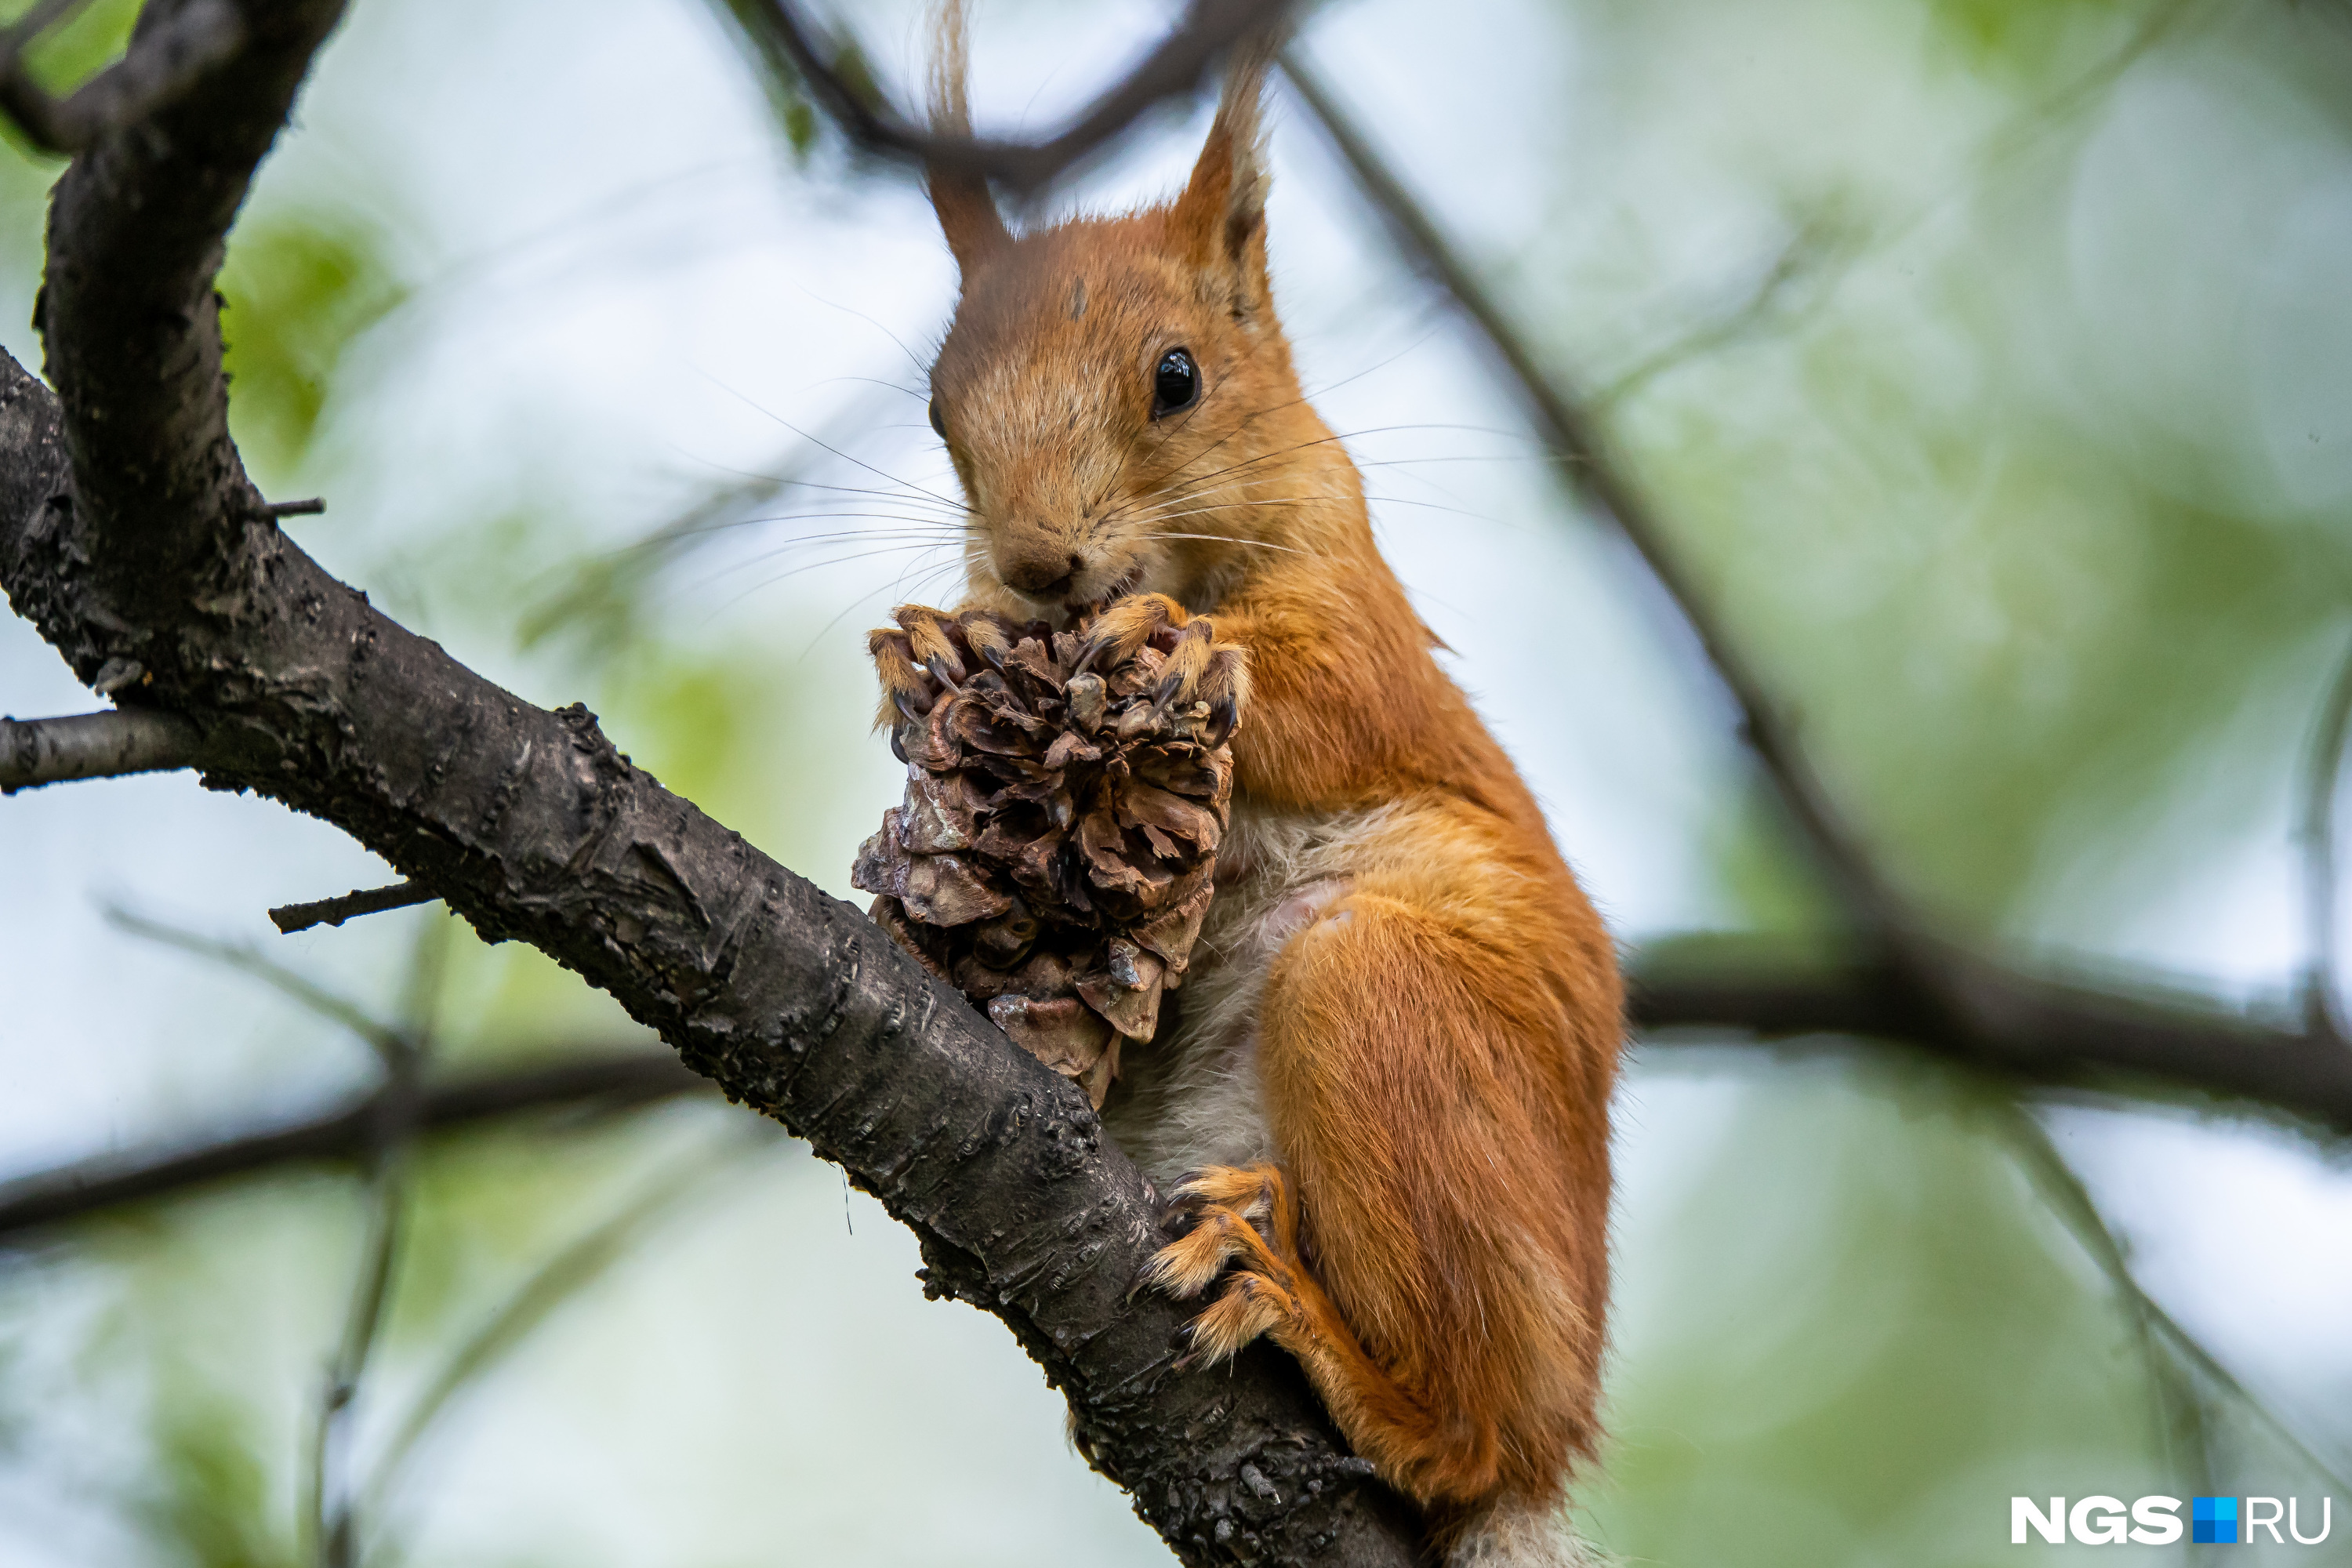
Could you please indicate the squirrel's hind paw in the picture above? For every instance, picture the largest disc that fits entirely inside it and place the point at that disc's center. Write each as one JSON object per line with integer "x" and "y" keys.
{"x": 1226, "y": 1221}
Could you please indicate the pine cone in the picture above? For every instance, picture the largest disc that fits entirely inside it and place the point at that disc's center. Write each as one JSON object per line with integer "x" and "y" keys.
{"x": 1056, "y": 850}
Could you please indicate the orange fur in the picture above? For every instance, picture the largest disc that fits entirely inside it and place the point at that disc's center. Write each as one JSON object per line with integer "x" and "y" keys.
{"x": 1430, "y": 1018}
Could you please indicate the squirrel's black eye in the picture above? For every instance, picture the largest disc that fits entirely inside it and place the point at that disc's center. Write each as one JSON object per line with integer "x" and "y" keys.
{"x": 1175, "y": 384}
{"x": 939, "y": 425}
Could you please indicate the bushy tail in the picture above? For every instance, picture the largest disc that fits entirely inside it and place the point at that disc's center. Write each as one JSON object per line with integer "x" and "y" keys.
{"x": 1513, "y": 1535}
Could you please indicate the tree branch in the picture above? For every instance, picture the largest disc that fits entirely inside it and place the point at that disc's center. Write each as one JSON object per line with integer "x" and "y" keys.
{"x": 532, "y": 827}
{"x": 132, "y": 329}
{"x": 37, "y": 751}
{"x": 1175, "y": 68}
{"x": 1736, "y": 993}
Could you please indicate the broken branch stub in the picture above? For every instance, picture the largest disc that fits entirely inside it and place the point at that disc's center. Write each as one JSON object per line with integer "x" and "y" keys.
{"x": 1056, "y": 848}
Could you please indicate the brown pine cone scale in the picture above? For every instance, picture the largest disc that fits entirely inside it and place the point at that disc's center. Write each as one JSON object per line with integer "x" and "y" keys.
{"x": 1057, "y": 845}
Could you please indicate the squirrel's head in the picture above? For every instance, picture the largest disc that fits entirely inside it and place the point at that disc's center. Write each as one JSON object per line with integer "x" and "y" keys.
{"x": 1115, "y": 392}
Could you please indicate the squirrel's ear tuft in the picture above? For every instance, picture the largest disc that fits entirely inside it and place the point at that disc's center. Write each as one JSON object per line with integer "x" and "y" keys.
{"x": 968, "y": 214}
{"x": 1219, "y": 220}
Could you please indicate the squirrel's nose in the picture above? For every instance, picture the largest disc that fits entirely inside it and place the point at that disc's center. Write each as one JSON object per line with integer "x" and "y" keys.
{"x": 1045, "y": 574}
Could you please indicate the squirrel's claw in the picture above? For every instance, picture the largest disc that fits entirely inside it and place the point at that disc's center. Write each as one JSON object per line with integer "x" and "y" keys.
{"x": 1125, "y": 624}
{"x": 1219, "y": 1215}
{"x": 1228, "y": 1235}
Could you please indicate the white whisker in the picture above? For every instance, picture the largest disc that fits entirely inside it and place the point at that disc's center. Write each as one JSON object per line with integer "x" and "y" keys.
{"x": 1227, "y": 539}
{"x": 828, "y": 447}
{"x": 769, "y": 581}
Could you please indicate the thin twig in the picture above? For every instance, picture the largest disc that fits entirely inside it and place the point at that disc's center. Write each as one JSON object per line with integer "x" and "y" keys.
{"x": 1572, "y": 433}
{"x": 313, "y": 507}
{"x": 606, "y": 1080}
{"x": 1175, "y": 68}
{"x": 421, "y": 995}
{"x": 382, "y": 1038}
{"x": 331, "y": 1516}
{"x": 291, "y": 918}
{"x": 37, "y": 751}
{"x": 561, "y": 1276}
{"x": 334, "y": 1518}
{"x": 2074, "y": 1206}
{"x": 2182, "y": 1414}
{"x": 1821, "y": 244}
{"x": 2323, "y": 1007}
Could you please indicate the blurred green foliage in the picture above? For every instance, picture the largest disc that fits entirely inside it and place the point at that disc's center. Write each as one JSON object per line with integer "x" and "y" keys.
{"x": 208, "y": 1492}
{"x": 2028, "y": 39}
{"x": 1889, "y": 1331}
{"x": 296, "y": 290}
{"x": 71, "y": 52}
{"x": 779, "y": 79}
{"x": 1996, "y": 511}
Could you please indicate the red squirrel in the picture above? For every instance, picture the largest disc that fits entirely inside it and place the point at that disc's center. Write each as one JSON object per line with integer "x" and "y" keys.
{"x": 1382, "y": 1110}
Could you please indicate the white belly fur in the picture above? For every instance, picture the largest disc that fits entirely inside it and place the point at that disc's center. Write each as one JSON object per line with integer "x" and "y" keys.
{"x": 1192, "y": 1097}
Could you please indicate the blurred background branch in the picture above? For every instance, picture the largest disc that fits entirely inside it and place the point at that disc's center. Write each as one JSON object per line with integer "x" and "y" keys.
{"x": 1907, "y": 980}
{"x": 2331, "y": 736}
{"x": 844, "y": 85}
{"x": 330, "y": 1519}
{"x": 2179, "y": 1365}
{"x": 590, "y": 1080}
{"x": 371, "y": 1130}
{"x": 565, "y": 1275}
{"x": 2127, "y": 1038}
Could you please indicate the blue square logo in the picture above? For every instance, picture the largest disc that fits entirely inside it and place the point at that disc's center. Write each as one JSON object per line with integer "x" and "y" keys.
{"x": 2213, "y": 1519}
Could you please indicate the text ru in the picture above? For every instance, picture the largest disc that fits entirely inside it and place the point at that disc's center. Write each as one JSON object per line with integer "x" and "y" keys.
{"x": 2156, "y": 1521}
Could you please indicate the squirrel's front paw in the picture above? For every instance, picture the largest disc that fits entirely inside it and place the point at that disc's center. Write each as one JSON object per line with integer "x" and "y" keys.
{"x": 1230, "y": 1222}
{"x": 909, "y": 659}
{"x": 1198, "y": 668}
{"x": 917, "y": 658}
